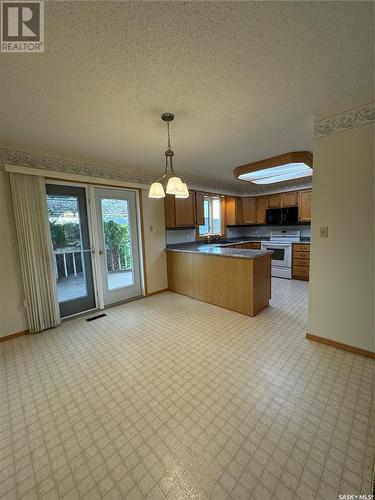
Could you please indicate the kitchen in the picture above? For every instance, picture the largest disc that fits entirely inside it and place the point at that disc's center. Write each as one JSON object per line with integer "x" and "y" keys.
{"x": 249, "y": 227}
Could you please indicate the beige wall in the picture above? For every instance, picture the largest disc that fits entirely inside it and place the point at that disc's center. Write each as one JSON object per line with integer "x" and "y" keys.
{"x": 154, "y": 236}
{"x": 12, "y": 312}
{"x": 342, "y": 266}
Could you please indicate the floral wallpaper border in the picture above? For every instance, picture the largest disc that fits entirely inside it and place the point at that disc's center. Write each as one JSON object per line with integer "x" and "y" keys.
{"x": 349, "y": 119}
{"x": 235, "y": 188}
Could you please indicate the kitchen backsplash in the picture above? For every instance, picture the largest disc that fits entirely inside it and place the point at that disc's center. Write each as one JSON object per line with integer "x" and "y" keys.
{"x": 179, "y": 236}
{"x": 263, "y": 231}
{"x": 185, "y": 235}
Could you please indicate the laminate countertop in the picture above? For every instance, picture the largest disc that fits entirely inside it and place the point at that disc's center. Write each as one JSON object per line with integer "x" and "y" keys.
{"x": 218, "y": 249}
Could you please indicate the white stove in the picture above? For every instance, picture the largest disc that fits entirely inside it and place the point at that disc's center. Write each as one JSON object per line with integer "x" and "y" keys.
{"x": 281, "y": 245}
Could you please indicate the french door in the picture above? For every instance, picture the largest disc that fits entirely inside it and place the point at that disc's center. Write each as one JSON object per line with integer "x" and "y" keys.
{"x": 97, "y": 261}
{"x": 118, "y": 246}
{"x": 67, "y": 213}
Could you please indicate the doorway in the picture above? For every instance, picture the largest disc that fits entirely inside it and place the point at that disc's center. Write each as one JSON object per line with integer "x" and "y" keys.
{"x": 67, "y": 213}
{"x": 118, "y": 244}
{"x": 96, "y": 251}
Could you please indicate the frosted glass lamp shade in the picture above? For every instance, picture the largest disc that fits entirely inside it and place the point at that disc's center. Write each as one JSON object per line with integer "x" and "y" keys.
{"x": 184, "y": 193}
{"x": 156, "y": 190}
{"x": 174, "y": 186}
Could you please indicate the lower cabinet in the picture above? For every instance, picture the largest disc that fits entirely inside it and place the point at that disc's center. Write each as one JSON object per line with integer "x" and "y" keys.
{"x": 253, "y": 245}
{"x": 301, "y": 261}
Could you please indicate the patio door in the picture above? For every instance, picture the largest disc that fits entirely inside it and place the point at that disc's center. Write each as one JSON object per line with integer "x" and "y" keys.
{"x": 118, "y": 244}
{"x": 67, "y": 212}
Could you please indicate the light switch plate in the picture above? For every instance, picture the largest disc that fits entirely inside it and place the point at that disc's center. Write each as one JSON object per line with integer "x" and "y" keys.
{"x": 324, "y": 231}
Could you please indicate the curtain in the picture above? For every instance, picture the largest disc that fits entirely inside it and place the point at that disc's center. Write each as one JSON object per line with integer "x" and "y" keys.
{"x": 35, "y": 247}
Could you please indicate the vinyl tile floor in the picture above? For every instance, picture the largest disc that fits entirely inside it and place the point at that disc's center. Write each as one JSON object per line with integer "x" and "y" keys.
{"x": 169, "y": 397}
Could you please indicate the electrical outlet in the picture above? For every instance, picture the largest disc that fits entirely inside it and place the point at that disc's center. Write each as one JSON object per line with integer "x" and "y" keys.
{"x": 324, "y": 231}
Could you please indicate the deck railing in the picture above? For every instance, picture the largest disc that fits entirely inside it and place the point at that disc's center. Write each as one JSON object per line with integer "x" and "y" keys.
{"x": 68, "y": 262}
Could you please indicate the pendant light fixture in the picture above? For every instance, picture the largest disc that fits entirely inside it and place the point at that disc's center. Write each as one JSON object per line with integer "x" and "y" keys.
{"x": 175, "y": 185}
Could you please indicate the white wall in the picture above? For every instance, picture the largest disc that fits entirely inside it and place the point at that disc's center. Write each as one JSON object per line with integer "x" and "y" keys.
{"x": 342, "y": 266}
{"x": 12, "y": 312}
{"x": 154, "y": 235}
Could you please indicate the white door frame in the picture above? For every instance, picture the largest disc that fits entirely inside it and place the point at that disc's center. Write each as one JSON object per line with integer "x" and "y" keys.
{"x": 96, "y": 238}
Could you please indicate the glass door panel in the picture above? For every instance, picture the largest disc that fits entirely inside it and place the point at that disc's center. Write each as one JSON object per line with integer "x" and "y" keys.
{"x": 117, "y": 243}
{"x": 71, "y": 245}
{"x": 118, "y": 240}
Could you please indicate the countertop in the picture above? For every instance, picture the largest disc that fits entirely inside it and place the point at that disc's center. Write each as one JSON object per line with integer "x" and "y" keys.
{"x": 219, "y": 249}
{"x": 224, "y": 249}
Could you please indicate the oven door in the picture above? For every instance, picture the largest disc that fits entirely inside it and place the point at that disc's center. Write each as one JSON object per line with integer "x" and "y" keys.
{"x": 282, "y": 254}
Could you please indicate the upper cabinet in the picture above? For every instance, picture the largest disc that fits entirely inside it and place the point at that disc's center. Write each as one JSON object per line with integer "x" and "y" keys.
{"x": 275, "y": 201}
{"x": 233, "y": 211}
{"x": 189, "y": 212}
{"x": 180, "y": 212}
{"x": 289, "y": 199}
{"x": 199, "y": 208}
{"x": 249, "y": 210}
{"x": 304, "y": 206}
{"x": 262, "y": 205}
{"x": 240, "y": 211}
{"x": 281, "y": 200}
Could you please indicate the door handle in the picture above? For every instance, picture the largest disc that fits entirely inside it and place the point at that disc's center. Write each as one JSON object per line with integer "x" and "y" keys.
{"x": 101, "y": 252}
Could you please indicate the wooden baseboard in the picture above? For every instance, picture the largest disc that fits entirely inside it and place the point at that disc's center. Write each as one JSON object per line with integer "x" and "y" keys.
{"x": 157, "y": 291}
{"x": 13, "y": 335}
{"x": 339, "y": 345}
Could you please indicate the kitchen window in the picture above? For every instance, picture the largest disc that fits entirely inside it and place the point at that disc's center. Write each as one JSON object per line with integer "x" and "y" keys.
{"x": 212, "y": 216}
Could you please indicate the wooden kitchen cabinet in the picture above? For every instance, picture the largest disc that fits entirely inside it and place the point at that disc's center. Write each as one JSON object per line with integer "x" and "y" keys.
{"x": 289, "y": 199}
{"x": 274, "y": 201}
{"x": 301, "y": 261}
{"x": 180, "y": 212}
{"x": 199, "y": 208}
{"x": 262, "y": 205}
{"x": 249, "y": 210}
{"x": 233, "y": 211}
{"x": 304, "y": 206}
{"x": 253, "y": 245}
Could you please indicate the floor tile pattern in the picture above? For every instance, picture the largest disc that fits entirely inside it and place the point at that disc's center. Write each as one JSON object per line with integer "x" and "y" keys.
{"x": 169, "y": 397}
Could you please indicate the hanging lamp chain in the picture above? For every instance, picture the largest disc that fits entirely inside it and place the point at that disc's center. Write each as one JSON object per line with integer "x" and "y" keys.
{"x": 168, "y": 155}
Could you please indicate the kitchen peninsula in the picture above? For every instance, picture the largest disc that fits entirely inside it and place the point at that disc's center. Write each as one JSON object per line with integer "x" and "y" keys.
{"x": 238, "y": 279}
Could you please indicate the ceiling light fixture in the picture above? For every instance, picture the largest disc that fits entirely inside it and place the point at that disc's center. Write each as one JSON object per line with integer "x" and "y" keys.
{"x": 294, "y": 165}
{"x": 175, "y": 185}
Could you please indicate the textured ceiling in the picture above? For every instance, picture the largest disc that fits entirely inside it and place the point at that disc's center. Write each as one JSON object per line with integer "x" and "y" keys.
{"x": 244, "y": 80}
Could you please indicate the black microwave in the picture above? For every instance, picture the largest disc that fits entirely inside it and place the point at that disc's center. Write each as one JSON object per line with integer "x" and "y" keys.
{"x": 282, "y": 216}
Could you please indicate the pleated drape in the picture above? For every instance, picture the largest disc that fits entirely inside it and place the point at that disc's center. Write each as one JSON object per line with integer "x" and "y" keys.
{"x": 35, "y": 248}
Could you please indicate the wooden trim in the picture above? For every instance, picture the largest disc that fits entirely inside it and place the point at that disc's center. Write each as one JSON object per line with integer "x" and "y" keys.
{"x": 275, "y": 161}
{"x": 157, "y": 291}
{"x": 13, "y": 335}
{"x": 339, "y": 345}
